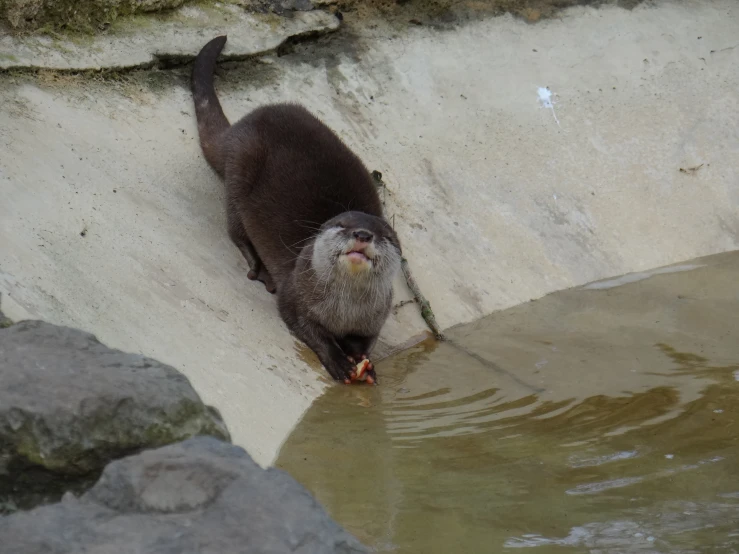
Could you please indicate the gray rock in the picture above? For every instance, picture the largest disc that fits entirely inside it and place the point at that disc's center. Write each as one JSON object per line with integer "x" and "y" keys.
{"x": 198, "y": 496}
{"x": 69, "y": 405}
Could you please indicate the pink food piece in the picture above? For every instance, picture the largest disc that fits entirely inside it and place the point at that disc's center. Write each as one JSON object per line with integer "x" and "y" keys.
{"x": 361, "y": 372}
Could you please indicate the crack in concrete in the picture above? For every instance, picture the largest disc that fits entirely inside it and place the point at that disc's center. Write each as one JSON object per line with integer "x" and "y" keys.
{"x": 183, "y": 44}
{"x": 163, "y": 61}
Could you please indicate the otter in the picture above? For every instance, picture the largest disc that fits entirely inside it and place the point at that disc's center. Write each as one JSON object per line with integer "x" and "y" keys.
{"x": 305, "y": 213}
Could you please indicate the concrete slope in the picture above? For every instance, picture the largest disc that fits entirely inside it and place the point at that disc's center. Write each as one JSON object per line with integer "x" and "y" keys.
{"x": 111, "y": 221}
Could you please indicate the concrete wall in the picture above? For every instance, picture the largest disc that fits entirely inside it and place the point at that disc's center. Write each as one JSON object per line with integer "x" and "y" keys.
{"x": 496, "y": 202}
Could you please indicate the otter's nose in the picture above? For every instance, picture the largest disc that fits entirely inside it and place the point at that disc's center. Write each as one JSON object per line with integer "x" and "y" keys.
{"x": 362, "y": 236}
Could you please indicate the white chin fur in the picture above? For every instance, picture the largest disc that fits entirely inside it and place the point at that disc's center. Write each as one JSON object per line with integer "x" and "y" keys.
{"x": 330, "y": 242}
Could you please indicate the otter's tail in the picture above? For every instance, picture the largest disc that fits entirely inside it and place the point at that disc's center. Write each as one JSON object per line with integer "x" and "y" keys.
{"x": 212, "y": 123}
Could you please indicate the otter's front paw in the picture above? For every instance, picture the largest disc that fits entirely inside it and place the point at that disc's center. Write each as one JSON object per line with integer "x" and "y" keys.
{"x": 341, "y": 370}
{"x": 364, "y": 370}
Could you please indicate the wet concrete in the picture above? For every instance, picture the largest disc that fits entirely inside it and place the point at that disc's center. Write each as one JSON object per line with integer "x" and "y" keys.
{"x": 598, "y": 419}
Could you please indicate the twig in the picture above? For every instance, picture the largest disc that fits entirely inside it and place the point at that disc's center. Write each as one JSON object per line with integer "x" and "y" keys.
{"x": 426, "y": 312}
{"x": 403, "y": 303}
{"x": 690, "y": 170}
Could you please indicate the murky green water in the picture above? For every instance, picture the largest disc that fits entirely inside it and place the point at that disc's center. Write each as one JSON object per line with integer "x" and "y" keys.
{"x": 599, "y": 419}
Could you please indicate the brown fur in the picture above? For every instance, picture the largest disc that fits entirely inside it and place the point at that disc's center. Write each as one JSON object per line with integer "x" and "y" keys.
{"x": 296, "y": 199}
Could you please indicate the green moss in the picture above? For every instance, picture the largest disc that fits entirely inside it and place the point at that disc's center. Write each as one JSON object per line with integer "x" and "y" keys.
{"x": 73, "y": 16}
{"x": 214, "y": 13}
{"x": 114, "y": 433}
{"x": 190, "y": 419}
{"x": 39, "y": 475}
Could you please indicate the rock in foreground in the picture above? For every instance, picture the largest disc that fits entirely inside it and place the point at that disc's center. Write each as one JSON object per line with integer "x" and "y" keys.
{"x": 69, "y": 405}
{"x": 198, "y": 496}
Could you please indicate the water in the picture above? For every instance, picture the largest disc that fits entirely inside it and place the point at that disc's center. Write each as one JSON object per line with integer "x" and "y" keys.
{"x": 599, "y": 419}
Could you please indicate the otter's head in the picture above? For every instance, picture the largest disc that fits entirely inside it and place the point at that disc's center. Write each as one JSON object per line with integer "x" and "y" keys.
{"x": 358, "y": 245}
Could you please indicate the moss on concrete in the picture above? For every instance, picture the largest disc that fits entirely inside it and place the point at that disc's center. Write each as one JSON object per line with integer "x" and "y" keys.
{"x": 86, "y": 16}
{"x": 93, "y": 16}
{"x": 444, "y": 12}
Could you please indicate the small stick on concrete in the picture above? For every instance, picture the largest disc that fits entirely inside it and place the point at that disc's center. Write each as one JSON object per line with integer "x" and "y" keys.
{"x": 426, "y": 312}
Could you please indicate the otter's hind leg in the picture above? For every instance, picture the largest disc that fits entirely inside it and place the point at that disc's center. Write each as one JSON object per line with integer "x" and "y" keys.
{"x": 244, "y": 160}
{"x": 257, "y": 271}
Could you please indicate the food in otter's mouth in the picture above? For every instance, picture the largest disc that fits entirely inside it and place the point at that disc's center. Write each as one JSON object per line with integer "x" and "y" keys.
{"x": 362, "y": 372}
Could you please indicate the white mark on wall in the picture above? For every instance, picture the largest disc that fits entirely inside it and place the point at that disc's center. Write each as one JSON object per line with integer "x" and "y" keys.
{"x": 545, "y": 99}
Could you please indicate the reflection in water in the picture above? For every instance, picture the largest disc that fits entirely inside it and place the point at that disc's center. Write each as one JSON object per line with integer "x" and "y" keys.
{"x": 599, "y": 419}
